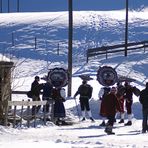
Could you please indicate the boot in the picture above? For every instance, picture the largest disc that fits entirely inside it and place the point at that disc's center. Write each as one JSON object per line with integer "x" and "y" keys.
{"x": 92, "y": 119}
{"x": 121, "y": 121}
{"x": 108, "y": 130}
{"x": 90, "y": 116}
{"x": 83, "y": 119}
{"x": 103, "y": 123}
{"x": 129, "y": 123}
{"x": 129, "y": 120}
{"x": 122, "y": 118}
{"x": 83, "y": 116}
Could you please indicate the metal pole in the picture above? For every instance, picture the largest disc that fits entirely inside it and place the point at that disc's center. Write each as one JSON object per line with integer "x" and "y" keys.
{"x": 126, "y": 28}
{"x": 70, "y": 46}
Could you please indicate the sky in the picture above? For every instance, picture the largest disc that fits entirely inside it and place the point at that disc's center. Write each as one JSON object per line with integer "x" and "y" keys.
{"x": 91, "y": 29}
{"x": 78, "y": 5}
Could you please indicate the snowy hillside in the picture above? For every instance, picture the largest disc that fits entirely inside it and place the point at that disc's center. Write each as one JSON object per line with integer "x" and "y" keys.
{"x": 91, "y": 29}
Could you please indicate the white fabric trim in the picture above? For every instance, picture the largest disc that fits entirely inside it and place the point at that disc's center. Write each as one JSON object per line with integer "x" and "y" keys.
{"x": 63, "y": 93}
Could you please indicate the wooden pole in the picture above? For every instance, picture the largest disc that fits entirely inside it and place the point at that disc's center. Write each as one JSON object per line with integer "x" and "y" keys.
{"x": 1, "y": 3}
{"x": 18, "y": 5}
{"x": 70, "y": 46}
{"x": 126, "y": 29}
{"x": 8, "y": 6}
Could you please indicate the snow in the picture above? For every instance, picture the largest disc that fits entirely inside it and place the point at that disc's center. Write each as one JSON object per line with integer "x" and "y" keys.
{"x": 51, "y": 28}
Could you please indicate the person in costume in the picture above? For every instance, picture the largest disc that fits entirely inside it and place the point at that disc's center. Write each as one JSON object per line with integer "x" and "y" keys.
{"x": 58, "y": 94}
{"x": 111, "y": 104}
{"x": 102, "y": 93}
{"x": 85, "y": 92}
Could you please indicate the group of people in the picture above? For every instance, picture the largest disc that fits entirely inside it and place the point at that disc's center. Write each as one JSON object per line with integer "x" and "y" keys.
{"x": 57, "y": 94}
{"x": 113, "y": 100}
{"x": 119, "y": 99}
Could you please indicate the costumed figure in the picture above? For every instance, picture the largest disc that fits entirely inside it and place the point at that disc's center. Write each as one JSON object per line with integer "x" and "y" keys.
{"x": 111, "y": 106}
{"x": 102, "y": 93}
{"x": 58, "y": 94}
{"x": 59, "y": 79}
{"x": 85, "y": 92}
{"x": 107, "y": 77}
{"x": 144, "y": 101}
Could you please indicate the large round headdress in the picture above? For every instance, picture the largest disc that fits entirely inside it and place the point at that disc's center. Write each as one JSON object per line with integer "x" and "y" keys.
{"x": 107, "y": 76}
{"x": 58, "y": 77}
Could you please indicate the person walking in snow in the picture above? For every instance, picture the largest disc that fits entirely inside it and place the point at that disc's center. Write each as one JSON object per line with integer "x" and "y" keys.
{"x": 36, "y": 90}
{"x": 85, "y": 92}
{"x": 144, "y": 101}
{"x": 111, "y": 104}
{"x": 102, "y": 93}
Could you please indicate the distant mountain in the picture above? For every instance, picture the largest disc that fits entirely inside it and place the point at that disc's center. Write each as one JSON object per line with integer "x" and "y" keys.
{"x": 62, "y": 5}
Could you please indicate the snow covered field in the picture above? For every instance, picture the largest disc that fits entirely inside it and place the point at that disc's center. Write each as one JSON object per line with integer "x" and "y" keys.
{"x": 90, "y": 29}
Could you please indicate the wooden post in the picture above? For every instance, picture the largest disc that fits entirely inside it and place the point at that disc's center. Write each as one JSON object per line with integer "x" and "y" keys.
{"x": 1, "y": 5}
{"x": 6, "y": 113}
{"x": 14, "y": 116}
{"x": 22, "y": 108}
{"x": 8, "y": 6}
{"x": 44, "y": 113}
{"x": 35, "y": 42}
{"x": 35, "y": 108}
{"x": 12, "y": 38}
{"x": 70, "y": 46}
{"x": 18, "y": 5}
{"x": 58, "y": 49}
{"x": 28, "y": 119}
{"x": 126, "y": 29}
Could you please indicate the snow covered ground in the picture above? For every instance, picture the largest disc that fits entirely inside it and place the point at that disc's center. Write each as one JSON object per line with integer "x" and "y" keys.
{"x": 90, "y": 29}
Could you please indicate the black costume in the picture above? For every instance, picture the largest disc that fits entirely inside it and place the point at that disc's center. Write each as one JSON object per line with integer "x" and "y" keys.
{"x": 85, "y": 92}
{"x": 144, "y": 101}
{"x": 35, "y": 89}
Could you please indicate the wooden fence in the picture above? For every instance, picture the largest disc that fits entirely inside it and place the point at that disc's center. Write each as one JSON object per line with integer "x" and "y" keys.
{"x": 16, "y": 116}
{"x": 115, "y": 48}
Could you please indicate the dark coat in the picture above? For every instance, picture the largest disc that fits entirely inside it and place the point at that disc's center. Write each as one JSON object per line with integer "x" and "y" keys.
{"x": 47, "y": 91}
{"x": 59, "y": 109}
{"x": 85, "y": 91}
{"x": 102, "y": 106}
{"x": 36, "y": 88}
{"x": 111, "y": 104}
{"x": 129, "y": 93}
{"x": 144, "y": 98}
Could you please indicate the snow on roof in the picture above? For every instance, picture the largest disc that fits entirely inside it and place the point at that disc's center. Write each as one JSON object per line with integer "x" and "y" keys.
{"x": 4, "y": 58}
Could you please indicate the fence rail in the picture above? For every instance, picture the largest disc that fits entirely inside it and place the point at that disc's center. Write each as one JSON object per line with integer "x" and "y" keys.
{"x": 115, "y": 48}
{"x": 25, "y": 113}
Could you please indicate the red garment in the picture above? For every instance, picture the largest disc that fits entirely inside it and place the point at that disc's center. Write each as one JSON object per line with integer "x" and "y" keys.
{"x": 121, "y": 103}
{"x": 111, "y": 104}
{"x": 102, "y": 109}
